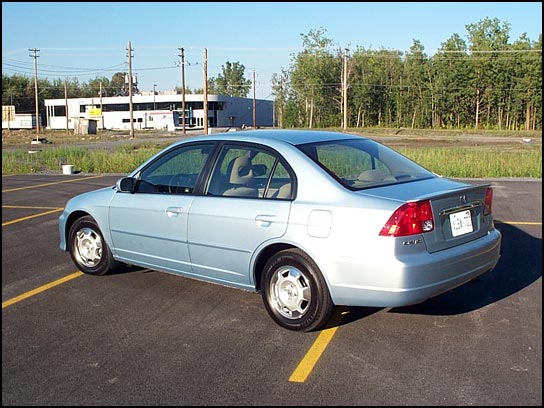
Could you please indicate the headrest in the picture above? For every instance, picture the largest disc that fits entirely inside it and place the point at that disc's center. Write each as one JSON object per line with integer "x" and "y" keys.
{"x": 371, "y": 175}
{"x": 242, "y": 171}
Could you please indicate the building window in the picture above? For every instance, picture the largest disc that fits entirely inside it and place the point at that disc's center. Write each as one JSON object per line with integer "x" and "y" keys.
{"x": 115, "y": 107}
{"x": 59, "y": 110}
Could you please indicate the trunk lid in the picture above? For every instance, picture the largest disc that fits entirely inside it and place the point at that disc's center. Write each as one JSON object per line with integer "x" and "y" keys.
{"x": 458, "y": 209}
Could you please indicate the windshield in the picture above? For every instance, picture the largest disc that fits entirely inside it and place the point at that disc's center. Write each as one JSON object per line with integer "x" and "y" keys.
{"x": 363, "y": 163}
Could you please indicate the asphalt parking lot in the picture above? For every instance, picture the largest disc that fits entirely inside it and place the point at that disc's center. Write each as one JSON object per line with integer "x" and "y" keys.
{"x": 142, "y": 337}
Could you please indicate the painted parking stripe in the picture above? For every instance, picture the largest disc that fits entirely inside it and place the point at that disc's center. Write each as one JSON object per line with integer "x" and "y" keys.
{"x": 43, "y": 288}
{"x": 31, "y": 216}
{"x": 29, "y": 207}
{"x": 311, "y": 358}
{"x": 50, "y": 184}
{"x": 517, "y": 222}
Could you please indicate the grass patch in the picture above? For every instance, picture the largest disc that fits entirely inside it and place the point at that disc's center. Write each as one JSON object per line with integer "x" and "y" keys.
{"x": 462, "y": 154}
{"x": 122, "y": 159}
{"x": 483, "y": 162}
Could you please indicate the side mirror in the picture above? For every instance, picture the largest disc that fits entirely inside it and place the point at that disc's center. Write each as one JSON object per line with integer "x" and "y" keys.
{"x": 126, "y": 185}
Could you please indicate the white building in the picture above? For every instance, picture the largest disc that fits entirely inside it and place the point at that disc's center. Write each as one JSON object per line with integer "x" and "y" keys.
{"x": 161, "y": 111}
{"x": 21, "y": 121}
{"x": 15, "y": 121}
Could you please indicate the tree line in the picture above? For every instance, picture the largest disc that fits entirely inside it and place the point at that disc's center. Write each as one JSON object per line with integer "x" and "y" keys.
{"x": 487, "y": 82}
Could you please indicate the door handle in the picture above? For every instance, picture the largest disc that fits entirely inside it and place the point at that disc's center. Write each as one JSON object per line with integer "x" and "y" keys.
{"x": 174, "y": 211}
{"x": 265, "y": 220}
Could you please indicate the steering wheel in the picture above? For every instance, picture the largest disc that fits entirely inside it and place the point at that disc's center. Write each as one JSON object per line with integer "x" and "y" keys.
{"x": 179, "y": 183}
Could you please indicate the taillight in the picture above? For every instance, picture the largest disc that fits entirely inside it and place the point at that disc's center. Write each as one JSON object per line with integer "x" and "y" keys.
{"x": 488, "y": 201}
{"x": 410, "y": 219}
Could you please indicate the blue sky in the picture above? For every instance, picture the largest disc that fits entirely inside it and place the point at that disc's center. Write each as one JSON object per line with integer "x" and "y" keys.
{"x": 90, "y": 39}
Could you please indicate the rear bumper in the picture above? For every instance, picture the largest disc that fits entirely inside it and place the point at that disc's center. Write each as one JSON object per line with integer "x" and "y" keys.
{"x": 403, "y": 282}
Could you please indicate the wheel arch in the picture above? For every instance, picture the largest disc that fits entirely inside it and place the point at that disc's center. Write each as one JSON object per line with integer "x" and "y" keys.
{"x": 76, "y": 215}
{"x": 265, "y": 254}
{"x": 70, "y": 221}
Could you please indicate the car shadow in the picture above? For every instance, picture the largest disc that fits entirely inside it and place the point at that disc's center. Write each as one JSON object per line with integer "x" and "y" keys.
{"x": 344, "y": 315}
{"x": 128, "y": 269}
{"x": 520, "y": 265}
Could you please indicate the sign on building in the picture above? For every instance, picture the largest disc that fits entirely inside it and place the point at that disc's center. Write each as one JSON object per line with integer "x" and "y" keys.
{"x": 8, "y": 113}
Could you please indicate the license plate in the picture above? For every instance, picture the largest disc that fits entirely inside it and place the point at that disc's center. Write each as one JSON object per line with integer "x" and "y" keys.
{"x": 461, "y": 223}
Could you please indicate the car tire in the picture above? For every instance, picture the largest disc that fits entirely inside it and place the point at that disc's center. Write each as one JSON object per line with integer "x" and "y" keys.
{"x": 88, "y": 249}
{"x": 294, "y": 291}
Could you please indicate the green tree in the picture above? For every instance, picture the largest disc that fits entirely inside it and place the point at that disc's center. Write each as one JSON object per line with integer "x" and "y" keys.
{"x": 419, "y": 84}
{"x": 188, "y": 90}
{"x": 359, "y": 93}
{"x": 280, "y": 91}
{"x": 232, "y": 81}
{"x": 487, "y": 39}
{"x": 118, "y": 85}
{"x": 384, "y": 86}
{"x": 98, "y": 85}
{"x": 450, "y": 71}
{"x": 315, "y": 79}
{"x": 18, "y": 90}
{"x": 527, "y": 81}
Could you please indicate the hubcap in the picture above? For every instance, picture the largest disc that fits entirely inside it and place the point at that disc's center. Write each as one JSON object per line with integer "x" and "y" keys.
{"x": 290, "y": 292}
{"x": 88, "y": 247}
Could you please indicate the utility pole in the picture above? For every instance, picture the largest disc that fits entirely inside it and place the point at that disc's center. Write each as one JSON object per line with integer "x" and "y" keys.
{"x": 345, "y": 88}
{"x": 66, "y": 105}
{"x": 130, "y": 90}
{"x": 35, "y": 56}
{"x": 154, "y": 93}
{"x": 9, "y": 113}
{"x": 182, "y": 55}
{"x": 205, "y": 101}
{"x": 254, "y": 104}
{"x": 273, "y": 113}
{"x": 101, "y": 113}
{"x": 281, "y": 102}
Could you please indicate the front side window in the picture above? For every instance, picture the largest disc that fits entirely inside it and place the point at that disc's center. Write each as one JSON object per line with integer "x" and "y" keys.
{"x": 176, "y": 172}
{"x": 364, "y": 163}
{"x": 248, "y": 171}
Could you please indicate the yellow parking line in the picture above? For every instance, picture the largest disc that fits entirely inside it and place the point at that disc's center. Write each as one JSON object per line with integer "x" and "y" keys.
{"x": 40, "y": 289}
{"x": 311, "y": 358}
{"x": 29, "y": 207}
{"x": 518, "y": 222}
{"x": 32, "y": 216}
{"x": 50, "y": 184}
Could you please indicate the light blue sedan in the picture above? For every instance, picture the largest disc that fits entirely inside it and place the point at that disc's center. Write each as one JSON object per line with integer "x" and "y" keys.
{"x": 310, "y": 219}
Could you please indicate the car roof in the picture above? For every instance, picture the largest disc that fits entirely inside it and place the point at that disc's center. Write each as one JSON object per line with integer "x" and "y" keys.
{"x": 294, "y": 137}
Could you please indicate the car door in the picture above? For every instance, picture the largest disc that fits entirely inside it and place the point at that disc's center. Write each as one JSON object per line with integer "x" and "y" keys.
{"x": 149, "y": 226}
{"x": 241, "y": 210}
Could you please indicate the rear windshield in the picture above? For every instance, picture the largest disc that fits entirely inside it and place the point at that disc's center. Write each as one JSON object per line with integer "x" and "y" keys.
{"x": 363, "y": 163}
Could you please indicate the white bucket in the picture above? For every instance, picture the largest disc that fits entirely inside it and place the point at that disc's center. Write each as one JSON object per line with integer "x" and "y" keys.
{"x": 67, "y": 169}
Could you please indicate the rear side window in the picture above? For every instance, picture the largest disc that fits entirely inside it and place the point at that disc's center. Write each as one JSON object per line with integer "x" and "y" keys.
{"x": 249, "y": 172}
{"x": 364, "y": 163}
